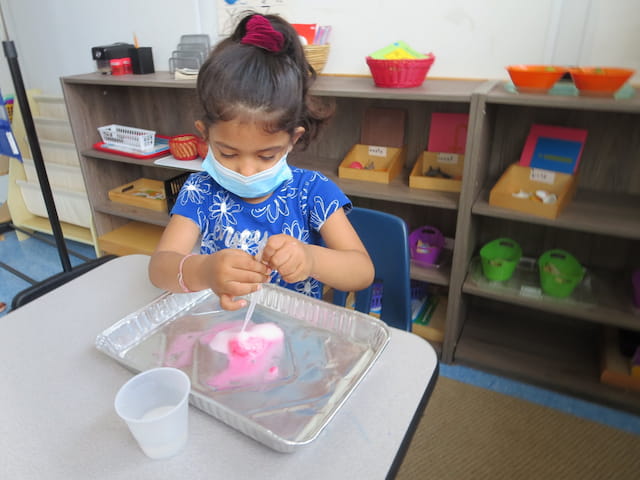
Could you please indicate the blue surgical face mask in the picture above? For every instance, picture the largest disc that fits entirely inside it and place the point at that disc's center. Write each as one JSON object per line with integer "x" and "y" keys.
{"x": 253, "y": 186}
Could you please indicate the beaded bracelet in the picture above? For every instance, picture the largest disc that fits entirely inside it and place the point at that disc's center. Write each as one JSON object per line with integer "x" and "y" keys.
{"x": 185, "y": 289}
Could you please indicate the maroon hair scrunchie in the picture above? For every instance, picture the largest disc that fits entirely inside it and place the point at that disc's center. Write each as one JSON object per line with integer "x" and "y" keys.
{"x": 261, "y": 34}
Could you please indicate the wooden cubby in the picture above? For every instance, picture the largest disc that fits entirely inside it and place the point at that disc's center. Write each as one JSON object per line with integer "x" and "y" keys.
{"x": 549, "y": 342}
{"x": 49, "y": 114}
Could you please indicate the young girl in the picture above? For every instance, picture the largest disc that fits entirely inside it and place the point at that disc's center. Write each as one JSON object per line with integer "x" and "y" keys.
{"x": 253, "y": 92}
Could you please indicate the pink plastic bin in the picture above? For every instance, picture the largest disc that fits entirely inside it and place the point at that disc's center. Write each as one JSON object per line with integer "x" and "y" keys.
{"x": 425, "y": 244}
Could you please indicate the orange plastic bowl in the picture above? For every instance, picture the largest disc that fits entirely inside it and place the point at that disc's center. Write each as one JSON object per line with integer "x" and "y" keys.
{"x": 600, "y": 81}
{"x": 535, "y": 78}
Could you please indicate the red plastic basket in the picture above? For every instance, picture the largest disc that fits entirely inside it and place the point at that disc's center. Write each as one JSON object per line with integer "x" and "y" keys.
{"x": 400, "y": 73}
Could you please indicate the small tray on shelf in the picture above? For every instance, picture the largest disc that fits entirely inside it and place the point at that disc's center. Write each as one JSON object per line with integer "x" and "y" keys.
{"x": 327, "y": 351}
{"x": 143, "y": 192}
{"x": 567, "y": 88}
{"x": 160, "y": 149}
{"x": 525, "y": 282}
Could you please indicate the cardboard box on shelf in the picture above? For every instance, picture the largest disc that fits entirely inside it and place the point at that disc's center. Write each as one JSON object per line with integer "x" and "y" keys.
{"x": 516, "y": 190}
{"x": 545, "y": 179}
{"x": 380, "y": 156}
{"x": 437, "y": 171}
{"x": 440, "y": 167}
{"x": 381, "y": 166}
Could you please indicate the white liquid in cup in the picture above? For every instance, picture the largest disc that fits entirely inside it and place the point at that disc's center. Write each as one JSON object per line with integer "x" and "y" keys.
{"x": 157, "y": 412}
{"x": 155, "y": 406}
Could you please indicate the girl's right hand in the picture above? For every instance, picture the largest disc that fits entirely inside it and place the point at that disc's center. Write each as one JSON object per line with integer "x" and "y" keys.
{"x": 232, "y": 273}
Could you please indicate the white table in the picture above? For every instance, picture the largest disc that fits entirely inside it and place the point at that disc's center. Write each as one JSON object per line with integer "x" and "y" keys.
{"x": 58, "y": 420}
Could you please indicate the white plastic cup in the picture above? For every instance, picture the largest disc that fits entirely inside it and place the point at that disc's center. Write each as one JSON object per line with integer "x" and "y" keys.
{"x": 155, "y": 406}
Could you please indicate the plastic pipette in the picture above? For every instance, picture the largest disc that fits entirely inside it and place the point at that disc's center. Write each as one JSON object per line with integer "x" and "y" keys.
{"x": 254, "y": 297}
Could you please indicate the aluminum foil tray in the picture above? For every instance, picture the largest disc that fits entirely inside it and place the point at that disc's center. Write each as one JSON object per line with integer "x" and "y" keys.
{"x": 327, "y": 351}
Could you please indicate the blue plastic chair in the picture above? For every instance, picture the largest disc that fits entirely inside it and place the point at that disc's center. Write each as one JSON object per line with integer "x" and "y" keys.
{"x": 386, "y": 239}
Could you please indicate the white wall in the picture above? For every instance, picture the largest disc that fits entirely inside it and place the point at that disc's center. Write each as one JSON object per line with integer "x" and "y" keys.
{"x": 470, "y": 38}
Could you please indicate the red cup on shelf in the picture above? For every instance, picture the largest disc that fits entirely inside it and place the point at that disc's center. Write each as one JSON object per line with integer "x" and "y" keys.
{"x": 117, "y": 68}
{"x": 127, "y": 68}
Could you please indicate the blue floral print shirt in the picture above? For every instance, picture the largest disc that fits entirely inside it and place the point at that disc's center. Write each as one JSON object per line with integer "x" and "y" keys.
{"x": 299, "y": 207}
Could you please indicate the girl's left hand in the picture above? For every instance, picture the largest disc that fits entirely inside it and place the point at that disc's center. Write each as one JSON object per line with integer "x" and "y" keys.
{"x": 289, "y": 256}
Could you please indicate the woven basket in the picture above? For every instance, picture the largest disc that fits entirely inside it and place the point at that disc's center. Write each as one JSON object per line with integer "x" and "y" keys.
{"x": 399, "y": 73}
{"x": 317, "y": 56}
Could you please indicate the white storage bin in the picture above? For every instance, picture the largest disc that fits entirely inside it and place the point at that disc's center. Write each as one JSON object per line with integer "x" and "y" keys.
{"x": 72, "y": 207}
{"x": 60, "y": 176}
{"x": 53, "y": 129}
{"x": 59, "y": 152}
{"x": 50, "y": 106}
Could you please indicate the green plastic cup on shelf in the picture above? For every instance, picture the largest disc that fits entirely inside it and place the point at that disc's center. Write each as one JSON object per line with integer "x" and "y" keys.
{"x": 500, "y": 258}
{"x": 560, "y": 273}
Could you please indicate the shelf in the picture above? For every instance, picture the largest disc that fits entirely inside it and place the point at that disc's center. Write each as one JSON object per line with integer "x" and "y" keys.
{"x": 396, "y": 191}
{"x": 599, "y": 298}
{"x": 133, "y": 213}
{"x": 69, "y": 231}
{"x": 499, "y": 94}
{"x": 543, "y": 350}
{"x": 437, "y": 276}
{"x": 112, "y": 157}
{"x": 593, "y": 212}
{"x": 335, "y": 86}
{"x": 439, "y": 90}
{"x": 131, "y": 238}
{"x": 171, "y": 162}
{"x": 157, "y": 79}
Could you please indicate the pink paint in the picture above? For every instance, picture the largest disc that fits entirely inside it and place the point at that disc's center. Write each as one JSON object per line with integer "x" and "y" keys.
{"x": 253, "y": 355}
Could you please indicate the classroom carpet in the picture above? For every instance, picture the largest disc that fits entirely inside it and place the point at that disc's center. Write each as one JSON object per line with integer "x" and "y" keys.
{"x": 468, "y": 432}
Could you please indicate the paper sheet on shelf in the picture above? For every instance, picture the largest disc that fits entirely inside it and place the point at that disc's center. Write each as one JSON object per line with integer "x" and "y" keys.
{"x": 170, "y": 161}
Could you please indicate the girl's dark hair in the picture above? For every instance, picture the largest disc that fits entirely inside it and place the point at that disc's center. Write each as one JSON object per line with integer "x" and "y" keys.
{"x": 246, "y": 80}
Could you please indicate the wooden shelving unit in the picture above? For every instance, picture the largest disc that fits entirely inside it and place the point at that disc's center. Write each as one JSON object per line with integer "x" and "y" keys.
{"x": 48, "y": 111}
{"x": 545, "y": 341}
{"x": 518, "y": 331}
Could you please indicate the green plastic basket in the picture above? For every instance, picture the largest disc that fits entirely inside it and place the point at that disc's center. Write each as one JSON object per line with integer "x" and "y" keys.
{"x": 500, "y": 258}
{"x": 560, "y": 273}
